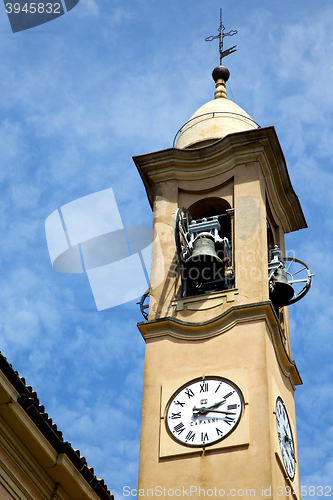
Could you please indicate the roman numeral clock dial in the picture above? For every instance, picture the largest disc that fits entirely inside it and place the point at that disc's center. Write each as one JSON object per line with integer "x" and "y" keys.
{"x": 204, "y": 411}
{"x": 285, "y": 438}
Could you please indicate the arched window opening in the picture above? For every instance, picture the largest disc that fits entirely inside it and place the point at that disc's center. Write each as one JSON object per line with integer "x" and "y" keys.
{"x": 204, "y": 242}
{"x": 210, "y": 207}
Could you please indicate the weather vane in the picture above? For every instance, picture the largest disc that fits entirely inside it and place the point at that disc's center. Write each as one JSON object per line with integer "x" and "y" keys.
{"x": 220, "y": 36}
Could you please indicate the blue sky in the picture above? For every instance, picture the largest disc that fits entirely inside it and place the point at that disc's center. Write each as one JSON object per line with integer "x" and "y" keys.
{"x": 80, "y": 96}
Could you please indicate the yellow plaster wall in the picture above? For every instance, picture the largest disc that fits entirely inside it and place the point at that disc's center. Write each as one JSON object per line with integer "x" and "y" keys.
{"x": 279, "y": 386}
{"x": 166, "y": 359}
{"x": 250, "y": 239}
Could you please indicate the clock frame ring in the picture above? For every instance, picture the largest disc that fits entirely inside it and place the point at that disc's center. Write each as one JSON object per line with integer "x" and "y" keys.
{"x": 204, "y": 411}
{"x": 285, "y": 438}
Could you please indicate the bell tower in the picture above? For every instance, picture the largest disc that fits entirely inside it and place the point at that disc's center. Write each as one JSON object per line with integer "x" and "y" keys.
{"x": 218, "y": 413}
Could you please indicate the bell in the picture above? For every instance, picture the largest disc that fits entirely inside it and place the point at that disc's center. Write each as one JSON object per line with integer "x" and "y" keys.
{"x": 204, "y": 263}
{"x": 281, "y": 292}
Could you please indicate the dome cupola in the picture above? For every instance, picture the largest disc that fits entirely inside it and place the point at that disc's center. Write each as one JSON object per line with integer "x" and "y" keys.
{"x": 215, "y": 119}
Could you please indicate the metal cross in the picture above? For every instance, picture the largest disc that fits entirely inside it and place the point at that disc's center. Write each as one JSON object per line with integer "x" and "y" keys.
{"x": 220, "y": 36}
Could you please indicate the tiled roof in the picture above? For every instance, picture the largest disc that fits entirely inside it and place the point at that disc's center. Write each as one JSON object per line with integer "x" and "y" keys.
{"x": 29, "y": 401}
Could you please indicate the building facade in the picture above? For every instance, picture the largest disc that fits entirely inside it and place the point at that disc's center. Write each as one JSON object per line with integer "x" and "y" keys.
{"x": 35, "y": 461}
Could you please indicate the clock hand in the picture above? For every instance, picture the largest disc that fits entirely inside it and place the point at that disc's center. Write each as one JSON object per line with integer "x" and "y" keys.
{"x": 287, "y": 439}
{"x": 220, "y": 411}
{"x": 291, "y": 450}
{"x": 204, "y": 411}
{"x": 217, "y": 404}
{"x": 287, "y": 453}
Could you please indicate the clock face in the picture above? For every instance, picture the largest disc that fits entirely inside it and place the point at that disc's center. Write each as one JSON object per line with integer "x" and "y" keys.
{"x": 285, "y": 438}
{"x": 204, "y": 411}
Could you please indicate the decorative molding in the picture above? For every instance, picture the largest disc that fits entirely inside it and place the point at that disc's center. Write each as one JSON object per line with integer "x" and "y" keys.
{"x": 12, "y": 485}
{"x": 24, "y": 466}
{"x": 36, "y": 460}
{"x": 262, "y": 311}
{"x": 259, "y": 145}
{"x": 37, "y": 443}
{"x": 204, "y": 302}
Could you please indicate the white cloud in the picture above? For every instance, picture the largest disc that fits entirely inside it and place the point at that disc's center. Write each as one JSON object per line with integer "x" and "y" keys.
{"x": 87, "y": 8}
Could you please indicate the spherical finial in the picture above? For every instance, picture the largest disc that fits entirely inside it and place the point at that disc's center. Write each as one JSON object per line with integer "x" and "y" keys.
{"x": 220, "y": 73}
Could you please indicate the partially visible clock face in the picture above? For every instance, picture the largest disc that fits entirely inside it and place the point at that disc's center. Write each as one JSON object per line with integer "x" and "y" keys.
{"x": 285, "y": 438}
{"x": 204, "y": 411}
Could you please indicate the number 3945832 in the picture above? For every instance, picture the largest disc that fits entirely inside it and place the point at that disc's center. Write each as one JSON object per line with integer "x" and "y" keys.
{"x": 33, "y": 8}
